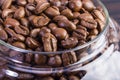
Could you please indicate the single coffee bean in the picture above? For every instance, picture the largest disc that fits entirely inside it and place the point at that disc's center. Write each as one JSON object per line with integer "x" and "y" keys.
{"x": 32, "y": 43}
{"x": 70, "y": 42}
{"x": 40, "y": 59}
{"x": 55, "y": 61}
{"x": 67, "y": 25}
{"x": 21, "y": 2}
{"x": 72, "y": 77}
{"x": 49, "y": 42}
{"x": 59, "y": 18}
{"x": 44, "y": 30}
{"x": 101, "y": 25}
{"x": 75, "y": 21}
{"x": 93, "y": 32}
{"x": 6, "y": 4}
{"x": 35, "y": 32}
{"x": 29, "y": 57}
{"x": 88, "y": 5}
{"x": 24, "y": 22}
{"x": 68, "y": 13}
{"x": 55, "y": 3}
{"x": 19, "y": 13}
{"x": 31, "y": 1}
{"x": 76, "y": 15}
{"x": 3, "y": 35}
{"x": 52, "y": 26}
{"x": 75, "y": 5}
{"x": 19, "y": 45}
{"x": 7, "y": 12}
{"x": 41, "y": 7}
{"x": 52, "y": 11}
{"x": 16, "y": 55}
{"x": 30, "y": 7}
{"x": 11, "y": 22}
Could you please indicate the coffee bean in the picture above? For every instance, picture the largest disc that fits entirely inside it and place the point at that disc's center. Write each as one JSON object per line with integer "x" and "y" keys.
{"x": 19, "y": 45}
{"x": 19, "y": 13}
{"x": 55, "y": 61}
{"x": 68, "y": 13}
{"x": 29, "y": 57}
{"x": 7, "y": 13}
{"x": 44, "y": 30}
{"x": 21, "y": 2}
{"x": 69, "y": 42}
{"x": 59, "y": 18}
{"x": 40, "y": 59}
{"x": 49, "y": 42}
{"x": 24, "y": 22}
{"x": 35, "y": 32}
{"x": 6, "y": 4}
{"x": 100, "y": 25}
{"x": 3, "y": 35}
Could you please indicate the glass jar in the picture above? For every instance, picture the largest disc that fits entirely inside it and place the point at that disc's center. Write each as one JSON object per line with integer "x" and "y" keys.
{"x": 90, "y": 61}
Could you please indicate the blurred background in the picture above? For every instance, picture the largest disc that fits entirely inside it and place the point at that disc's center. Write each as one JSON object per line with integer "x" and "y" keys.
{"x": 113, "y": 7}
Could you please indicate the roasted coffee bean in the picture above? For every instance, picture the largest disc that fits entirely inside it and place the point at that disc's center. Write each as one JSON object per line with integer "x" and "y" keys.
{"x": 30, "y": 1}
{"x": 72, "y": 77}
{"x": 7, "y": 12}
{"x": 93, "y": 32}
{"x": 40, "y": 21}
{"x": 44, "y": 30}
{"x": 11, "y": 22}
{"x": 68, "y": 13}
{"x": 81, "y": 55}
{"x": 6, "y": 4}
{"x": 98, "y": 15}
{"x": 40, "y": 59}
{"x": 88, "y": 5}
{"x": 52, "y": 26}
{"x": 30, "y": 7}
{"x": 24, "y": 22}
{"x": 3, "y": 35}
{"x": 41, "y": 6}
{"x": 35, "y": 32}
{"x": 52, "y": 11}
{"x": 55, "y": 2}
{"x": 49, "y": 42}
{"x": 69, "y": 58}
{"x": 91, "y": 37}
{"x": 70, "y": 42}
{"x": 67, "y": 25}
{"x": 75, "y": 5}
{"x": 21, "y": 2}
{"x": 100, "y": 25}
{"x": 59, "y": 18}
{"x": 29, "y": 57}
{"x": 19, "y": 13}
{"x": 16, "y": 55}
{"x": 32, "y": 43}
{"x": 75, "y": 21}
{"x": 55, "y": 61}
{"x": 19, "y": 45}
{"x": 25, "y": 76}
{"x": 76, "y": 15}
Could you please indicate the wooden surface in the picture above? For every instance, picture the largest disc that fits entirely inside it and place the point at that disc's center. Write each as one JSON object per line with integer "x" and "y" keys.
{"x": 113, "y": 7}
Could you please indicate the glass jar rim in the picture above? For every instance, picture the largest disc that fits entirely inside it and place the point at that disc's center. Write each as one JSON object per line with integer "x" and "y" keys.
{"x": 64, "y": 51}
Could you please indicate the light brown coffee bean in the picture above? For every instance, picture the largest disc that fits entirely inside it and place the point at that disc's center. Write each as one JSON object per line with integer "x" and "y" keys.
{"x": 101, "y": 25}
{"x": 59, "y": 18}
{"x": 40, "y": 59}
{"x": 68, "y": 13}
{"x": 3, "y": 35}
{"x": 19, "y": 45}
{"x": 21, "y": 2}
{"x": 7, "y": 12}
{"x": 6, "y": 4}
{"x": 32, "y": 43}
{"x": 55, "y": 3}
{"x": 55, "y": 61}
{"x": 52, "y": 11}
{"x": 88, "y": 5}
{"x": 76, "y": 15}
{"x": 70, "y": 42}
{"x": 75, "y": 5}
{"x": 30, "y": 7}
{"x": 49, "y": 42}
{"x": 24, "y": 22}
{"x": 19, "y": 13}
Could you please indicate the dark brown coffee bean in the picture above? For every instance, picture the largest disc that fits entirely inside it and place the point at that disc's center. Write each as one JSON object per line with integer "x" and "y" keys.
{"x": 88, "y": 5}
{"x": 29, "y": 57}
{"x": 40, "y": 59}
{"x": 98, "y": 15}
{"x": 35, "y": 32}
{"x": 19, "y": 13}
{"x": 67, "y": 25}
{"x": 25, "y": 76}
{"x": 19, "y": 45}
{"x": 16, "y": 55}
{"x": 49, "y": 42}
{"x": 55, "y": 61}
{"x": 69, "y": 58}
{"x": 41, "y": 6}
{"x": 90, "y": 23}
{"x": 68, "y": 13}
{"x": 52, "y": 11}
{"x": 59, "y": 18}
{"x": 6, "y": 4}
{"x": 40, "y": 21}
{"x": 44, "y": 30}
{"x": 31, "y": 1}
{"x": 72, "y": 77}
{"x": 11, "y": 22}
{"x": 69, "y": 42}
{"x": 21, "y": 2}
{"x": 75, "y": 5}
{"x": 32, "y": 43}
{"x": 7, "y": 12}
{"x": 24, "y": 22}
{"x": 3, "y": 35}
